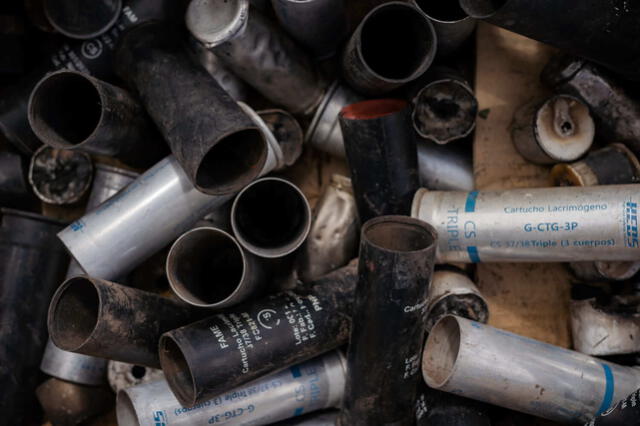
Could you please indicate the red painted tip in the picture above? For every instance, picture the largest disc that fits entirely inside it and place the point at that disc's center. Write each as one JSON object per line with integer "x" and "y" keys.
{"x": 376, "y": 108}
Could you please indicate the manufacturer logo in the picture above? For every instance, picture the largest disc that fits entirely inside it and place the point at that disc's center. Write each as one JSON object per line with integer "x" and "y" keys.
{"x": 159, "y": 418}
{"x": 631, "y": 224}
{"x": 91, "y": 49}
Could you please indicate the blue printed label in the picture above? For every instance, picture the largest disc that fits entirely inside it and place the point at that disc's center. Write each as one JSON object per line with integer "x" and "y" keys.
{"x": 631, "y": 224}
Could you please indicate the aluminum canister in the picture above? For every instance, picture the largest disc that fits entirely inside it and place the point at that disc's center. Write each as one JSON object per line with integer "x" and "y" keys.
{"x": 302, "y": 388}
{"x": 534, "y": 224}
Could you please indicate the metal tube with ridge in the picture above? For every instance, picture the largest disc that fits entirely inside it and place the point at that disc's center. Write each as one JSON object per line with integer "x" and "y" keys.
{"x": 312, "y": 385}
{"x": 206, "y": 267}
{"x": 502, "y": 368}
{"x": 395, "y": 268}
{"x": 218, "y": 145}
{"x": 534, "y": 225}
{"x": 72, "y": 366}
{"x": 319, "y": 25}
{"x": 258, "y": 51}
{"x": 393, "y": 45}
{"x": 271, "y": 217}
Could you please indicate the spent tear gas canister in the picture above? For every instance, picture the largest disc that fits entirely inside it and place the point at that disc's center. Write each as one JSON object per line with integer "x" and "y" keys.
{"x": 534, "y": 225}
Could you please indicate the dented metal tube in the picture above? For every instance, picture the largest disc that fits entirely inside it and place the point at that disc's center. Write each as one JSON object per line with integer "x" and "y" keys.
{"x": 217, "y": 144}
{"x": 271, "y": 217}
{"x": 208, "y": 268}
{"x": 334, "y": 234}
{"x": 319, "y": 25}
{"x": 104, "y": 319}
{"x": 203, "y": 359}
{"x": 382, "y": 156}
{"x": 71, "y": 366}
{"x": 394, "y": 44}
{"x": 388, "y": 326}
{"x": 275, "y": 67}
{"x": 556, "y": 129}
{"x": 610, "y": 40}
{"x": 501, "y": 368}
{"x": 72, "y": 110}
{"x": 533, "y": 225}
{"x": 312, "y": 385}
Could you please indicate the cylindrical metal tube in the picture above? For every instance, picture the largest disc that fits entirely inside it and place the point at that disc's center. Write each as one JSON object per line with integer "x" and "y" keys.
{"x": 445, "y": 109}
{"x": 453, "y": 293}
{"x": 303, "y": 388}
{"x": 75, "y": 19}
{"x": 277, "y": 68}
{"x": 71, "y": 366}
{"x": 104, "y": 319}
{"x": 556, "y": 129}
{"x": 72, "y": 110}
{"x": 615, "y": 111}
{"x": 395, "y": 266}
{"x": 60, "y": 176}
{"x": 333, "y": 237}
{"x": 287, "y": 131}
{"x": 605, "y": 330}
{"x": 394, "y": 44}
{"x": 66, "y": 403}
{"x": 382, "y": 155}
{"x": 271, "y": 217}
{"x": 452, "y": 24}
{"x": 161, "y": 204}
{"x": 208, "y": 357}
{"x": 219, "y": 147}
{"x": 89, "y": 56}
{"x": 319, "y": 25}
{"x": 495, "y": 366}
{"x": 625, "y": 412}
{"x": 122, "y": 375}
{"x": 206, "y": 267}
{"x": 32, "y": 263}
{"x": 547, "y": 21}
{"x": 614, "y": 164}
{"x": 444, "y": 169}
{"x": 15, "y": 190}
{"x": 534, "y": 225}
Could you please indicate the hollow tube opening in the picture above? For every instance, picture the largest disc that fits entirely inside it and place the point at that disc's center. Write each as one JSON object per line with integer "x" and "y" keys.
{"x": 215, "y": 21}
{"x": 177, "y": 371}
{"x": 394, "y": 235}
{"x": 65, "y": 109}
{"x": 442, "y": 10}
{"x": 75, "y": 312}
{"x": 396, "y": 41}
{"x": 441, "y": 351}
{"x": 233, "y": 162}
{"x": 371, "y": 109}
{"x": 70, "y": 18}
{"x": 125, "y": 410}
{"x": 481, "y": 8}
{"x": 205, "y": 266}
{"x": 272, "y": 215}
